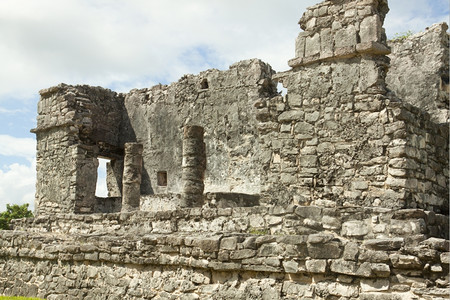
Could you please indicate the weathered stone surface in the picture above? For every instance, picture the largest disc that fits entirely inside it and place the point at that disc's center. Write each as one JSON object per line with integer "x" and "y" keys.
{"x": 423, "y": 54}
{"x": 377, "y": 285}
{"x": 355, "y": 228}
{"x": 316, "y": 265}
{"x": 335, "y": 190}
{"x": 132, "y": 176}
{"x": 385, "y": 244}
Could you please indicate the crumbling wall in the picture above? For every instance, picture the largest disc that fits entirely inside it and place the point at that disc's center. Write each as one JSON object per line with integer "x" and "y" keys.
{"x": 305, "y": 195}
{"x": 337, "y": 138}
{"x": 219, "y": 101}
{"x": 419, "y": 72}
{"x": 75, "y": 125}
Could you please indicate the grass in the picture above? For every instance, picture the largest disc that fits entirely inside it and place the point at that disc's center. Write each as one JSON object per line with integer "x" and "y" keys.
{"x": 257, "y": 231}
{"x": 17, "y": 298}
{"x": 401, "y": 36}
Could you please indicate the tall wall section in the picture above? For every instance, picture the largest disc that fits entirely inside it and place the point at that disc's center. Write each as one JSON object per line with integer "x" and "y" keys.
{"x": 75, "y": 125}
{"x": 419, "y": 72}
{"x": 337, "y": 138}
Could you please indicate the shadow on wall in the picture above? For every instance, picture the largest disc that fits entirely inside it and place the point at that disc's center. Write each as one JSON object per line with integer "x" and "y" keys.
{"x": 128, "y": 135}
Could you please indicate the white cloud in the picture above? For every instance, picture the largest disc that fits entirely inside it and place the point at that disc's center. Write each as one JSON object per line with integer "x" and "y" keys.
{"x": 17, "y": 180}
{"x": 8, "y": 111}
{"x": 118, "y": 43}
{"x": 104, "y": 42}
{"x": 17, "y": 185}
{"x": 19, "y": 147}
{"x": 416, "y": 15}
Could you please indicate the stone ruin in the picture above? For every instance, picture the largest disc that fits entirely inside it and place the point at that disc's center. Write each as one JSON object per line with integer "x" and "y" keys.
{"x": 220, "y": 187}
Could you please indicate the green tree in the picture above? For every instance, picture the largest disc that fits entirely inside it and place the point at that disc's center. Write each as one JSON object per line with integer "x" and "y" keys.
{"x": 14, "y": 212}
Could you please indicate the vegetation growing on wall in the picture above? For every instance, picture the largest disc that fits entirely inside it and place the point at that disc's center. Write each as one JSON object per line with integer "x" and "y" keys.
{"x": 401, "y": 36}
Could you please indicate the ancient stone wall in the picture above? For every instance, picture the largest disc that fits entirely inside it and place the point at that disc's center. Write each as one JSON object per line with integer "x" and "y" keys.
{"x": 75, "y": 125}
{"x": 418, "y": 72}
{"x": 337, "y": 190}
{"x": 337, "y": 136}
{"x": 369, "y": 151}
{"x": 282, "y": 252}
{"x": 219, "y": 101}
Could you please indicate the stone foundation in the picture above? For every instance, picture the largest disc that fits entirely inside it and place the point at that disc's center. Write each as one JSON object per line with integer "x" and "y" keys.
{"x": 234, "y": 253}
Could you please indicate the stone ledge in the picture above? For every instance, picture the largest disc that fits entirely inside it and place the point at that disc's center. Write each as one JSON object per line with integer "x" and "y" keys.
{"x": 371, "y": 48}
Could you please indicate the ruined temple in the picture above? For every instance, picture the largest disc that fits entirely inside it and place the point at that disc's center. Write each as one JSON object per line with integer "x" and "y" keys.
{"x": 221, "y": 187}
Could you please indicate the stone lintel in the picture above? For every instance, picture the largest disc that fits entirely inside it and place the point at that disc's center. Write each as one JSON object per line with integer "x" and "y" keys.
{"x": 374, "y": 48}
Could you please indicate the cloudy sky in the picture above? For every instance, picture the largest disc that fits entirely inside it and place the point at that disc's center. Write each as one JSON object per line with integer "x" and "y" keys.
{"x": 124, "y": 44}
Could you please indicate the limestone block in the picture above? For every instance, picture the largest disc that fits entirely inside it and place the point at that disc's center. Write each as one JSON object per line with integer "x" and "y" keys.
{"x": 370, "y": 75}
{"x": 228, "y": 243}
{"x": 408, "y": 227}
{"x": 436, "y": 243}
{"x": 285, "y": 128}
{"x": 360, "y": 185}
{"x": 290, "y": 266}
{"x": 271, "y": 249}
{"x": 312, "y": 117}
{"x": 345, "y": 37}
{"x": 325, "y": 147}
{"x": 343, "y": 290}
{"x": 405, "y": 261}
{"x": 308, "y": 150}
{"x": 345, "y": 78}
{"x": 355, "y": 228}
{"x": 316, "y": 265}
{"x": 445, "y": 258}
{"x": 312, "y": 45}
{"x": 242, "y": 254}
{"x": 351, "y": 251}
{"x": 291, "y": 115}
{"x": 343, "y": 267}
{"x": 436, "y": 268}
{"x": 326, "y": 44}
{"x": 331, "y": 223}
{"x": 315, "y": 213}
{"x": 308, "y": 161}
{"x": 300, "y": 43}
{"x": 329, "y": 250}
{"x": 385, "y": 244}
{"x": 370, "y": 29}
{"x": 374, "y": 285}
{"x": 273, "y": 220}
{"x": 381, "y": 270}
{"x": 132, "y": 174}
{"x": 297, "y": 289}
{"x": 311, "y": 24}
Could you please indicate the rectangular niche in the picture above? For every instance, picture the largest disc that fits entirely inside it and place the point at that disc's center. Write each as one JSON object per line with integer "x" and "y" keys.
{"x": 161, "y": 178}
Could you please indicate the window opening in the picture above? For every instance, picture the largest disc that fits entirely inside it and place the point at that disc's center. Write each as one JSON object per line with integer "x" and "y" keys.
{"x": 204, "y": 84}
{"x": 281, "y": 89}
{"x": 161, "y": 178}
{"x": 101, "y": 189}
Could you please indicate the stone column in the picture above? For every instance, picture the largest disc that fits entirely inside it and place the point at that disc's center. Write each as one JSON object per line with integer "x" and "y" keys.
{"x": 132, "y": 174}
{"x": 194, "y": 165}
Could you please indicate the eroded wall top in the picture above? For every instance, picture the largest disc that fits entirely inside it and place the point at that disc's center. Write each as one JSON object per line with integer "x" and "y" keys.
{"x": 419, "y": 72}
{"x": 345, "y": 28}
